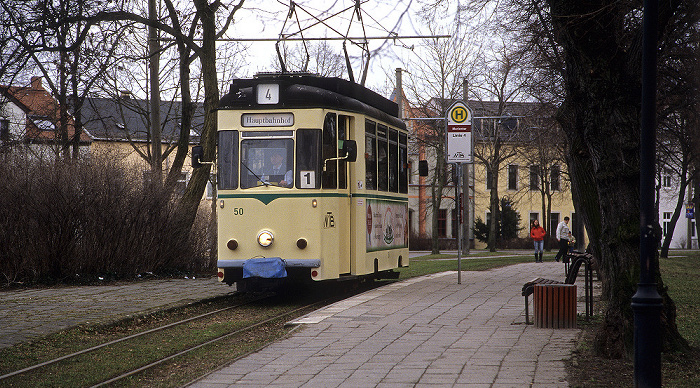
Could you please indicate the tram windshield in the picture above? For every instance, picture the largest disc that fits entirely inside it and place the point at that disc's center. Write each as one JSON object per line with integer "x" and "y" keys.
{"x": 267, "y": 162}
{"x": 267, "y": 159}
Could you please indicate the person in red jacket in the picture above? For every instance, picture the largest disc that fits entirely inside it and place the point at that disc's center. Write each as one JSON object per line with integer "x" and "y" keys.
{"x": 537, "y": 233}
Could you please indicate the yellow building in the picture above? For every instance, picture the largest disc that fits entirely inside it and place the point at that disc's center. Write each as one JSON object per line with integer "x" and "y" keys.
{"x": 531, "y": 174}
{"x": 118, "y": 128}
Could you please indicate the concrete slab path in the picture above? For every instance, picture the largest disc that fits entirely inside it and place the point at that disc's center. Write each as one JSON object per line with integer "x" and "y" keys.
{"x": 421, "y": 332}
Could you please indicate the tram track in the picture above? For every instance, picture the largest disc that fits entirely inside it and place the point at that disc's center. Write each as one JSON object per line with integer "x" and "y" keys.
{"x": 129, "y": 337}
{"x": 218, "y": 336}
{"x": 215, "y": 340}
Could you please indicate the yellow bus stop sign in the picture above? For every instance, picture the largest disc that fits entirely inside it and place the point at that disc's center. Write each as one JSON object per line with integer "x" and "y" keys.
{"x": 459, "y": 134}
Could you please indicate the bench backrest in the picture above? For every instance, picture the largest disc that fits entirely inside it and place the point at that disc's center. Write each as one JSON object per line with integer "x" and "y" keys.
{"x": 577, "y": 258}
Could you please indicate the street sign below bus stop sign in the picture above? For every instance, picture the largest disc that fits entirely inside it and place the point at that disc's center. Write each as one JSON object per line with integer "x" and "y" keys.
{"x": 459, "y": 133}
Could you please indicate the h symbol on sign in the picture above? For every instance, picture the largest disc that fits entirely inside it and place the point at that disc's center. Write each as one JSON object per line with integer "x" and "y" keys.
{"x": 459, "y": 115}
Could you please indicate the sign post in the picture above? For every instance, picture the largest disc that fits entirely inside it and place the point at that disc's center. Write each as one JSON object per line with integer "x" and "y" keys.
{"x": 460, "y": 150}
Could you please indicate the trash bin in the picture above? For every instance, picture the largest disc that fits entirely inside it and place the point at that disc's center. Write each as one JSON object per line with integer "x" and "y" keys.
{"x": 555, "y": 306}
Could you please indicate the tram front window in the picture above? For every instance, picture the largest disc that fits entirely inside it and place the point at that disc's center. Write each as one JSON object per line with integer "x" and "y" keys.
{"x": 266, "y": 162}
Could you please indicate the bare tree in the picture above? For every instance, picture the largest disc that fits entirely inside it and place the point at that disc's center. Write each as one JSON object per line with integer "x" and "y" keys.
{"x": 434, "y": 82}
{"x": 498, "y": 79}
{"x": 678, "y": 123}
{"x": 677, "y": 155}
{"x": 544, "y": 153}
{"x": 70, "y": 58}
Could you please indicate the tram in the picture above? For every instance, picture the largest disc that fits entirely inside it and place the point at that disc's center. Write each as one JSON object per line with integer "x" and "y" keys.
{"x": 295, "y": 202}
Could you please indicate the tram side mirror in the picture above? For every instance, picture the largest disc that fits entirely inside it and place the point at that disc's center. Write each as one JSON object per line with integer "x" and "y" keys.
{"x": 423, "y": 168}
{"x": 350, "y": 150}
{"x": 197, "y": 155}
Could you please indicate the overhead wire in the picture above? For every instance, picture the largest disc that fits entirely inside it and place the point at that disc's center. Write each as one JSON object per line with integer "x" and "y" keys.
{"x": 362, "y": 43}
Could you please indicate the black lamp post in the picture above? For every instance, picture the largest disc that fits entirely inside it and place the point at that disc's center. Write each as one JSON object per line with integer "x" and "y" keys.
{"x": 647, "y": 302}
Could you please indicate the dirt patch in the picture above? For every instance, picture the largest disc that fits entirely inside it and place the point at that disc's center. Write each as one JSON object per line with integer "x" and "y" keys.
{"x": 587, "y": 370}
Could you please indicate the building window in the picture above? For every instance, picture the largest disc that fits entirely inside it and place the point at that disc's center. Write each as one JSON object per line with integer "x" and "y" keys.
{"x": 553, "y": 223}
{"x": 554, "y": 178}
{"x": 534, "y": 177}
{"x": 535, "y": 216}
{"x": 442, "y": 223}
{"x": 512, "y": 177}
{"x": 181, "y": 183}
{"x": 667, "y": 222}
{"x": 666, "y": 178}
{"x": 210, "y": 186}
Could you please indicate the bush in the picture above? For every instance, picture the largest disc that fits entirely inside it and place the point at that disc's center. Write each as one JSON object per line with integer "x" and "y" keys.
{"x": 418, "y": 243}
{"x": 507, "y": 227}
{"x": 66, "y": 222}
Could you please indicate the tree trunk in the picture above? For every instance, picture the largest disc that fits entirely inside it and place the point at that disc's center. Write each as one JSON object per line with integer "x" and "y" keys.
{"x": 188, "y": 107}
{"x": 493, "y": 200}
{"x": 601, "y": 120}
{"x": 676, "y": 213}
{"x": 436, "y": 198}
{"x": 195, "y": 189}
{"x": 548, "y": 218}
{"x": 154, "y": 102}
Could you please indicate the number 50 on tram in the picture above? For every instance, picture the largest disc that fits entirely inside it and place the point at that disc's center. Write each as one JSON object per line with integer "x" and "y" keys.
{"x": 312, "y": 181}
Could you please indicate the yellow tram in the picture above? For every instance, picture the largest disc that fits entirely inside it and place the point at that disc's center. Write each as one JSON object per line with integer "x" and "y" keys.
{"x": 294, "y": 199}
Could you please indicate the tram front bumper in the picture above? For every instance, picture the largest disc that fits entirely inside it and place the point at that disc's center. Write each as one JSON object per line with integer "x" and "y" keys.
{"x": 267, "y": 267}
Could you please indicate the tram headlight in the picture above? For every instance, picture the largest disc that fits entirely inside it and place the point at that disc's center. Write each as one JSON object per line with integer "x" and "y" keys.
{"x": 265, "y": 238}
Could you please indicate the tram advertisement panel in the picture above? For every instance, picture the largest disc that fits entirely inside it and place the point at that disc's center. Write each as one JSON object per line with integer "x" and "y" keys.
{"x": 387, "y": 225}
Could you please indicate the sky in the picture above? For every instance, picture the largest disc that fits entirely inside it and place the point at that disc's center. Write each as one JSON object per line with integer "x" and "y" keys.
{"x": 380, "y": 18}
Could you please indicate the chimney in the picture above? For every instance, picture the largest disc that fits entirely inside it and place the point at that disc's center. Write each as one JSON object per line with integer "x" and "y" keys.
{"x": 124, "y": 95}
{"x": 399, "y": 92}
{"x": 36, "y": 83}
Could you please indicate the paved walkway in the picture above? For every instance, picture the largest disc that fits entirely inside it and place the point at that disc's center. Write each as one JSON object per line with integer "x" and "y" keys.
{"x": 422, "y": 332}
{"x": 32, "y": 313}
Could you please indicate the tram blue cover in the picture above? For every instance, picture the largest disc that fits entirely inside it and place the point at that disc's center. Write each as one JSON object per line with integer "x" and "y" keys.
{"x": 264, "y": 267}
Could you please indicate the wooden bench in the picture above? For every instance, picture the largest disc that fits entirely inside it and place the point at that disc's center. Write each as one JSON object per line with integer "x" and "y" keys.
{"x": 576, "y": 259}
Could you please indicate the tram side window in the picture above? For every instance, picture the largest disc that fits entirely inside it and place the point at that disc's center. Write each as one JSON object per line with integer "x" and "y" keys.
{"x": 382, "y": 158}
{"x": 330, "y": 150}
{"x": 403, "y": 163}
{"x": 228, "y": 160}
{"x": 370, "y": 155}
{"x": 308, "y": 158}
{"x": 393, "y": 161}
{"x": 342, "y": 165}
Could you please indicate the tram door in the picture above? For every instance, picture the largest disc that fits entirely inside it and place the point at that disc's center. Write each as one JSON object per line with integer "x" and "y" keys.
{"x": 335, "y": 131}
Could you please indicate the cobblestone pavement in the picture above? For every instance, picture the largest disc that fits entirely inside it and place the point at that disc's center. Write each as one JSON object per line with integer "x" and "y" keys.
{"x": 31, "y": 313}
{"x": 422, "y": 332}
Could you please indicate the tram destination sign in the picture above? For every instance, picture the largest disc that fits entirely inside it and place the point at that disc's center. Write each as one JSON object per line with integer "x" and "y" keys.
{"x": 267, "y": 119}
{"x": 460, "y": 148}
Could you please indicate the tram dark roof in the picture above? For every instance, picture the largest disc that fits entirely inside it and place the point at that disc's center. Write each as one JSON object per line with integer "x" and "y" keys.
{"x": 304, "y": 90}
